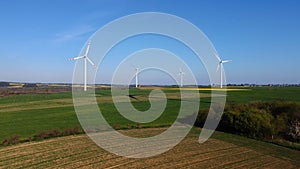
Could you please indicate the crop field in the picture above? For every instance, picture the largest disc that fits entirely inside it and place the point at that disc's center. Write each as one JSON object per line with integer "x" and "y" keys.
{"x": 27, "y": 114}
{"x": 80, "y": 151}
{"x": 49, "y": 111}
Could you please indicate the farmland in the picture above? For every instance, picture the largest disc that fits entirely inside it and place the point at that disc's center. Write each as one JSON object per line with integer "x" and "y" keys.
{"x": 80, "y": 151}
{"x": 27, "y": 114}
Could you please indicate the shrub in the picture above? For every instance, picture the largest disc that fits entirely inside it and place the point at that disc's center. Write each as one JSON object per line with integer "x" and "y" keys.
{"x": 138, "y": 125}
{"x": 228, "y": 121}
{"x": 45, "y": 134}
{"x": 116, "y": 127}
{"x": 73, "y": 131}
{"x": 260, "y": 124}
{"x": 280, "y": 125}
{"x": 294, "y": 131}
{"x": 55, "y": 133}
{"x": 42, "y": 135}
{"x": 200, "y": 120}
{"x": 11, "y": 140}
{"x": 29, "y": 138}
{"x": 291, "y": 109}
{"x": 259, "y": 119}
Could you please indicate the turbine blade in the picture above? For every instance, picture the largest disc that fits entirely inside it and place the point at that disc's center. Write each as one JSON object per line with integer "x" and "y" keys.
{"x": 90, "y": 61}
{"x": 87, "y": 49}
{"x": 76, "y": 58}
{"x": 225, "y": 61}
{"x": 217, "y": 56}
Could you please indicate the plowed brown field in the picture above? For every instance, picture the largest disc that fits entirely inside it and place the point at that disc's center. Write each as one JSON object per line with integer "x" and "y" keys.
{"x": 80, "y": 152}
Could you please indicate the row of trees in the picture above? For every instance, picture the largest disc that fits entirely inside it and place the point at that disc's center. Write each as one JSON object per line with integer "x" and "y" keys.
{"x": 4, "y": 84}
{"x": 267, "y": 120}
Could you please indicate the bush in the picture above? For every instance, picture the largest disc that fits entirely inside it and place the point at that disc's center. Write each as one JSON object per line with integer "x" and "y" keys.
{"x": 280, "y": 125}
{"x": 294, "y": 131}
{"x": 45, "y": 134}
{"x": 228, "y": 122}
{"x": 55, "y": 133}
{"x": 42, "y": 135}
{"x": 200, "y": 120}
{"x": 259, "y": 120}
{"x": 139, "y": 125}
{"x": 11, "y": 140}
{"x": 292, "y": 109}
{"x": 73, "y": 131}
{"x": 116, "y": 126}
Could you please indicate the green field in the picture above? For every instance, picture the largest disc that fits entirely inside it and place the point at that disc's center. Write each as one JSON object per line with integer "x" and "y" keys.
{"x": 25, "y": 115}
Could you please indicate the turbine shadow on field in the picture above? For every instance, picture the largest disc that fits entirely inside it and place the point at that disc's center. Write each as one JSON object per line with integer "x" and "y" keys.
{"x": 132, "y": 96}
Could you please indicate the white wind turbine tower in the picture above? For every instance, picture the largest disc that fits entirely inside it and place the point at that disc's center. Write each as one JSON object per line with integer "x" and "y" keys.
{"x": 85, "y": 58}
{"x": 181, "y": 73}
{"x": 136, "y": 77}
{"x": 220, "y": 66}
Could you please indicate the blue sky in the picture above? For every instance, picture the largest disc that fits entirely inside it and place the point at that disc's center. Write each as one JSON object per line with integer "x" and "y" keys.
{"x": 261, "y": 37}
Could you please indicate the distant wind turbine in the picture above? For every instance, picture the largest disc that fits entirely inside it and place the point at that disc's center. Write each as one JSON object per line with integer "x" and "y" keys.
{"x": 85, "y": 57}
{"x": 181, "y": 73}
{"x": 136, "y": 77}
{"x": 220, "y": 66}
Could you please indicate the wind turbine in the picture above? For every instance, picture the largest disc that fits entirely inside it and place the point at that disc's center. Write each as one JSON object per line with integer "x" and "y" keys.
{"x": 85, "y": 58}
{"x": 181, "y": 73}
{"x": 220, "y": 66}
{"x": 136, "y": 77}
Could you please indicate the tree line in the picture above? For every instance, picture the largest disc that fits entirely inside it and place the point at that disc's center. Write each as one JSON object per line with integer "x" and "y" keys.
{"x": 264, "y": 120}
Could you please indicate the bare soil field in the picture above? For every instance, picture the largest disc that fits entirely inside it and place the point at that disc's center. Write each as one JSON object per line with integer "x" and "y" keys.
{"x": 80, "y": 152}
{"x": 35, "y": 90}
